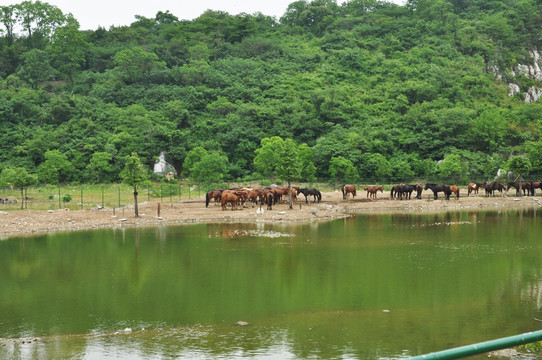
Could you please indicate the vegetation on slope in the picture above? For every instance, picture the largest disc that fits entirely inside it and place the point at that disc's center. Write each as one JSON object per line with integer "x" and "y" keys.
{"x": 396, "y": 92}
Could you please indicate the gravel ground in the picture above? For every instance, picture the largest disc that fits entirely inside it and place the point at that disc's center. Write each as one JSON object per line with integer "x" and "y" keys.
{"x": 332, "y": 206}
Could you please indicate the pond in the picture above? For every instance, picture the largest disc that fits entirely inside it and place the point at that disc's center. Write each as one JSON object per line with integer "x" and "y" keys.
{"x": 366, "y": 287}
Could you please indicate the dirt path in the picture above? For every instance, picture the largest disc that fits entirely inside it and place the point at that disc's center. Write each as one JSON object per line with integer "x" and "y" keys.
{"x": 332, "y": 206}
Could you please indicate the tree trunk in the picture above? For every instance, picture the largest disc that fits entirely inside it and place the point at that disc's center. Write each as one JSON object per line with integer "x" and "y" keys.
{"x": 135, "y": 204}
{"x": 22, "y": 198}
{"x": 290, "y": 195}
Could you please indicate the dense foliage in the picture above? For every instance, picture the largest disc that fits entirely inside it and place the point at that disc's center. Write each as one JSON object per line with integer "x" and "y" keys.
{"x": 367, "y": 90}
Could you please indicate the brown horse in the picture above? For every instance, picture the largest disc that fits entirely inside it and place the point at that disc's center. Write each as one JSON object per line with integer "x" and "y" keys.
{"x": 491, "y": 187}
{"x": 279, "y": 192}
{"x": 372, "y": 190}
{"x": 473, "y": 187}
{"x": 346, "y": 189}
{"x": 269, "y": 198}
{"x": 455, "y": 190}
{"x": 254, "y": 195}
{"x": 525, "y": 186}
{"x": 231, "y": 197}
{"x": 535, "y": 185}
{"x": 213, "y": 194}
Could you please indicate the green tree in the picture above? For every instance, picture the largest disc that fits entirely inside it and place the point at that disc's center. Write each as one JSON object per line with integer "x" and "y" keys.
{"x": 192, "y": 158}
{"x": 134, "y": 174}
{"x": 452, "y": 167}
{"x": 8, "y": 17}
{"x": 18, "y": 178}
{"x": 68, "y": 49}
{"x": 56, "y": 168}
{"x": 40, "y": 19}
{"x": 342, "y": 170}
{"x": 210, "y": 168}
{"x": 100, "y": 166}
{"x": 374, "y": 166}
{"x": 489, "y": 130}
{"x": 135, "y": 64}
{"x": 308, "y": 169}
{"x": 267, "y": 156}
{"x": 36, "y": 67}
{"x": 519, "y": 165}
{"x": 288, "y": 165}
{"x": 534, "y": 153}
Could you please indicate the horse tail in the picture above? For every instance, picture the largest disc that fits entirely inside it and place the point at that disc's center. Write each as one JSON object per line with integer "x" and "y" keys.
{"x": 207, "y": 199}
{"x": 391, "y": 192}
{"x": 319, "y": 195}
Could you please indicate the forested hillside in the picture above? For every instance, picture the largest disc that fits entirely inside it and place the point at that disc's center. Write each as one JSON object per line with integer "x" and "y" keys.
{"x": 372, "y": 89}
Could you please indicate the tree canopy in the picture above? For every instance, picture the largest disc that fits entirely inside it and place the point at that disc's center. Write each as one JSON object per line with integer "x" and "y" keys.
{"x": 365, "y": 89}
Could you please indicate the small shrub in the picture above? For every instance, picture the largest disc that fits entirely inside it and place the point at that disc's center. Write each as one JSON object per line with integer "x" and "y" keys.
{"x": 67, "y": 198}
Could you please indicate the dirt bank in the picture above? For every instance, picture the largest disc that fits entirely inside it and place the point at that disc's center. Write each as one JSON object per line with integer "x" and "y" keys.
{"x": 332, "y": 206}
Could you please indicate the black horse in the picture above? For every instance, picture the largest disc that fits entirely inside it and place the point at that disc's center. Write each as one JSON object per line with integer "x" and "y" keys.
{"x": 407, "y": 190}
{"x": 438, "y": 188}
{"x": 308, "y": 192}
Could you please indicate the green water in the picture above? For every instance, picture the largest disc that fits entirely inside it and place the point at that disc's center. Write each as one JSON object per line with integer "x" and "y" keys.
{"x": 368, "y": 287}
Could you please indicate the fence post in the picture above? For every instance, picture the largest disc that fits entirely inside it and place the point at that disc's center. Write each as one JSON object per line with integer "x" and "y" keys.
{"x": 180, "y": 193}
{"x": 59, "y": 197}
{"x": 188, "y": 191}
{"x": 81, "y": 198}
{"x": 148, "y": 193}
{"x": 119, "y": 196}
{"x": 102, "y": 196}
{"x": 25, "y": 198}
{"x": 161, "y": 194}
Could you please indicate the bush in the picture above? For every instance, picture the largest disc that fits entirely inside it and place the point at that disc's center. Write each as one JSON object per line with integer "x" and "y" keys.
{"x": 67, "y": 198}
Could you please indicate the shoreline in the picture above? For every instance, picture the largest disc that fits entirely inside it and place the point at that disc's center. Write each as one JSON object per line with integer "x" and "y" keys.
{"x": 21, "y": 223}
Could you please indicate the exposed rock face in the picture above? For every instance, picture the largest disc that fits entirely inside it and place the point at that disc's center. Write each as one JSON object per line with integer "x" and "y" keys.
{"x": 533, "y": 94}
{"x": 532, "y": 71}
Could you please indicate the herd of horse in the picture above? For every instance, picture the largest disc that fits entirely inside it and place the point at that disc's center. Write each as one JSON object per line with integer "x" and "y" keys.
{"x": 271, "y": 196}
{"x": 528, "y": 187}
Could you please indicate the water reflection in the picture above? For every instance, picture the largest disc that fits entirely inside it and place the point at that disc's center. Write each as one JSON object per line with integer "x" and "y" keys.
{"x": 359, "y": 287}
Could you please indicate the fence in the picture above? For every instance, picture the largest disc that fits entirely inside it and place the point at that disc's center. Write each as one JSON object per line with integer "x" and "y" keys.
{"x": 79, "y": 197}
{"x": 88, "y": 196}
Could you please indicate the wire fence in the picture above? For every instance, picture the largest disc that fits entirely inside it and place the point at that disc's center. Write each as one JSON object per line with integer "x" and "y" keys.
{"x": 81, "y": 197}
